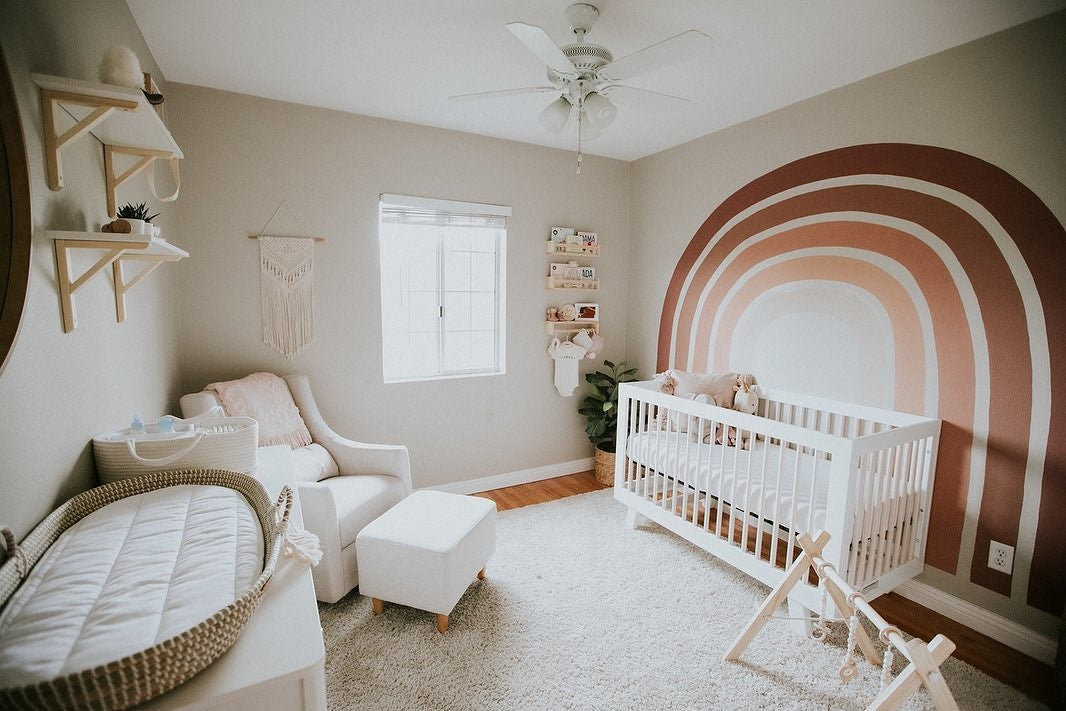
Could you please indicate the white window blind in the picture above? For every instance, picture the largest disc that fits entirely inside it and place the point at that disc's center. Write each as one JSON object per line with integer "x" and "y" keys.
{"x": 442, "y": 287}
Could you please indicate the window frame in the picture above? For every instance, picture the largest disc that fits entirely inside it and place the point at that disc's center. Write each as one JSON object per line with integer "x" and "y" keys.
{"x": 445, "y": 208}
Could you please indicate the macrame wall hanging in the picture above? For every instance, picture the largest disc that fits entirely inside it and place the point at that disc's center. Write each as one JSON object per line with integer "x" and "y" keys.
{"x": 286, "y": 287}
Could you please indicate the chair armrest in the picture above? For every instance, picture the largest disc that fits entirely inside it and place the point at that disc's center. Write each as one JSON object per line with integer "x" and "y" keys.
{"x": 352, "y": 457}
{"x": 355, "y": 458}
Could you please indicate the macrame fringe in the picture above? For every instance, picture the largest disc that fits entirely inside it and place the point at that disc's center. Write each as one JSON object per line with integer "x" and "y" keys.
{"x": 302, "y": 544}
{"x": 287, "y": 293}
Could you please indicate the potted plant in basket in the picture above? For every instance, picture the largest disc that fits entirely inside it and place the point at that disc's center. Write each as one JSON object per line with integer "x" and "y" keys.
{"x": 138, "y": 217}
{"x": 600, "y": 408}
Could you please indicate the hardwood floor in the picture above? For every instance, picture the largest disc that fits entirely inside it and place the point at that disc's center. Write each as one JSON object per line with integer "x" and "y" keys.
{"x": 992, "y": 657}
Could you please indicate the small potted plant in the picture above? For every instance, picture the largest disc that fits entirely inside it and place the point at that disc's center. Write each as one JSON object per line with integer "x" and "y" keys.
{"x": 600, "y": 408}
{"x": 138, "y": 217}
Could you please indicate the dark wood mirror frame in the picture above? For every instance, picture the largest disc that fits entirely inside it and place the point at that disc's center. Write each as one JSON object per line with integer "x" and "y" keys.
{"x": 15, "y": 217}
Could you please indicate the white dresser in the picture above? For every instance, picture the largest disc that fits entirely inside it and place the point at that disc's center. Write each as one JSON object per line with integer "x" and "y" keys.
{"x": 279, "y": 660}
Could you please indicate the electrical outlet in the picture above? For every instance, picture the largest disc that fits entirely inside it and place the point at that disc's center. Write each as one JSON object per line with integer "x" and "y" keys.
{"x": 1001, "y": 557}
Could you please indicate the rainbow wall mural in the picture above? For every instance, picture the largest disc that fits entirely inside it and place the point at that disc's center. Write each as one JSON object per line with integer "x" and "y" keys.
{"x": 968, "y": 268}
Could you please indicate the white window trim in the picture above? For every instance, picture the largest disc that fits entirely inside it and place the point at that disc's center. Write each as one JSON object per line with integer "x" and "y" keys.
{"x": 456, "y": 206}
{"x": 445, "y": 205}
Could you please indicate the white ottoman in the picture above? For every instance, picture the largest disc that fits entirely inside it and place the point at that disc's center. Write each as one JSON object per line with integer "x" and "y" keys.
{"x": 425, "y": 550}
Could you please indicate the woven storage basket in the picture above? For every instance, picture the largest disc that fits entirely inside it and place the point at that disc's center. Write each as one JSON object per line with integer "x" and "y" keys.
{"x": 217, "y": 443}
{"x": 604, "y": 471}
{"x": 141, "y": 676}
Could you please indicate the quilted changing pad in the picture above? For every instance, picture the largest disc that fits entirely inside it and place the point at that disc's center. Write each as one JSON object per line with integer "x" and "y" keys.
{"x": 128, "y": 576}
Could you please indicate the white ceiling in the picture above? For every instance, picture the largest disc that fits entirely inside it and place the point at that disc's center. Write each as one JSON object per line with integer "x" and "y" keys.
{"x": 401, "y": 59}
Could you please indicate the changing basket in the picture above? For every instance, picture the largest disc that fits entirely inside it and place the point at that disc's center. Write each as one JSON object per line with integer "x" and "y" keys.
{"x": 143, "y": 674}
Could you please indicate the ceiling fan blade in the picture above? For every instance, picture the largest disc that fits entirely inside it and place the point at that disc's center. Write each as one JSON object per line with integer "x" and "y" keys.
{"x": 538, "y": 40}
{"x": 504, "y": 92}
{"x": 663, "y": 54}
{"x": 624, "y": 94}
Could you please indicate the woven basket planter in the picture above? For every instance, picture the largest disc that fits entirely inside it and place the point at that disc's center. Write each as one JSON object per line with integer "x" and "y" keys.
{"x": 604, "y": 471}
{"x": 136, "y": 678}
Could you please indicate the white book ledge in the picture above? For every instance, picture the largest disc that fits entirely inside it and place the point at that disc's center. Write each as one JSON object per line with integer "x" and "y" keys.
{"x": 278, "y": 662}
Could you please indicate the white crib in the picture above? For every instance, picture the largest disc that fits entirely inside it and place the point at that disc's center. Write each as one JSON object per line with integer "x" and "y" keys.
{"x": 863, "y": 474}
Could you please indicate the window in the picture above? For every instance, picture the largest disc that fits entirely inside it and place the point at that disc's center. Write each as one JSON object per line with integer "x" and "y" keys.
{"x": 442, "y": 287}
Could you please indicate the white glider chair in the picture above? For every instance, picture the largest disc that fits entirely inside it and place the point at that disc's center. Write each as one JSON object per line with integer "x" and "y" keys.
{"x": 337, "y": 497}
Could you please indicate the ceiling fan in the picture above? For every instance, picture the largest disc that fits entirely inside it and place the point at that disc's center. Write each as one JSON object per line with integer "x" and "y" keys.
{"x": 584, "y": 75}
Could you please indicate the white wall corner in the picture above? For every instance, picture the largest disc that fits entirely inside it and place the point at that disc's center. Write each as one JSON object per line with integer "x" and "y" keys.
{"x": 522, "y": 476}
{"x": 1014, "y": 635}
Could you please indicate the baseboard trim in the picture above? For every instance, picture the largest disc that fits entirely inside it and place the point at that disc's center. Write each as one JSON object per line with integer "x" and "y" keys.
{"x": 1016, "y": 636}
{"x": 522, "y": 476}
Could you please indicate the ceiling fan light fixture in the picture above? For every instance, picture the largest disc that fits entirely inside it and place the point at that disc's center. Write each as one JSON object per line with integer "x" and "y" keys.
{"x": 599, "y": 110}
{"x": 555, "y": 115}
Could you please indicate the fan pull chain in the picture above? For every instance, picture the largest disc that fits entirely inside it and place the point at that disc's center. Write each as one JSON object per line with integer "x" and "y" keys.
{"x": 580, "y": 110}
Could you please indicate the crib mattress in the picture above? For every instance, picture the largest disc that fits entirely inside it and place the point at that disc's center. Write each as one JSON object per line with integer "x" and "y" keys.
{"x": 768, "y": 481}
{"x": 128, "y": 576}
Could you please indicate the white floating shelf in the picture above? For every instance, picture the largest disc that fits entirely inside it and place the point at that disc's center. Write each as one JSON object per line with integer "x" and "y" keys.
{"x": 137, "y": 128}
{"x": 575, "y": 284}
{"x": 556, "y": 327}
{"x": 118, "y": 248}
{"x": 576, "y": 250}
{"x": 119, "y": 117}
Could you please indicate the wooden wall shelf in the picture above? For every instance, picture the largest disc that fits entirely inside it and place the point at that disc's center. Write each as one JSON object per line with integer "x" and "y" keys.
{"x": 119, "y": 117}
{"x": 118, "y": 248}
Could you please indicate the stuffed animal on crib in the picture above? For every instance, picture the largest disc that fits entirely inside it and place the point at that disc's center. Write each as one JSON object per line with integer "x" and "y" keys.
{"x": 745, "y": 399}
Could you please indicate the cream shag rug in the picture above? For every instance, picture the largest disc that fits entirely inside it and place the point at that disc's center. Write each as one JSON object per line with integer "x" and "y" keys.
{"x": 578, "y": 612}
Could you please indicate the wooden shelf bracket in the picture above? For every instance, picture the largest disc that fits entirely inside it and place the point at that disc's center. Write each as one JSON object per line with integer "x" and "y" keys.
{"x": 122, "y": 287}
{"x": 67, "y": 287}
{"x": 117, "y": 249}
{"x": 55, "y": 142}
{"x": 117, "y": 116}
{"x": 145, "y": 158}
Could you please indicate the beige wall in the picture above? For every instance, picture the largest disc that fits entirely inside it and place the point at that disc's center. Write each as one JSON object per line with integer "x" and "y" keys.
{"x": 1000, "y": 99}
{"x": 59, "y": 389}
{"x": 245, "y": 155}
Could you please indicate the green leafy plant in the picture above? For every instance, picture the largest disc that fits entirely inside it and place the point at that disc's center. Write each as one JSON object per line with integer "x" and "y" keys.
{"x": 129, "y": 211}
{"x": 600, "y": 408}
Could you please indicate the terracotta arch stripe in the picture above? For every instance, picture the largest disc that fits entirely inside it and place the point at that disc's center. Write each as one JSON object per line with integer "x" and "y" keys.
{"x": 907, "y": 331}
{"x": 1038, "y": 236}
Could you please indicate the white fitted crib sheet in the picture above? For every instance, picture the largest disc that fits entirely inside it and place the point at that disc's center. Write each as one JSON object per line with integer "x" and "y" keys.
{"x": 127, "y": 576}
{"x": 775, "y": 486}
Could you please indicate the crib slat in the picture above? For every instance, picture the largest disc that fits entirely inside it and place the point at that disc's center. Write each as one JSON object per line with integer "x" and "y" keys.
{"x": 748, "y": 518}
{"x": 628, "y": 482}
{"x": 901, "y": 508}
{"x": 736, "y": 476}
{"x": 913, "y": 501}
{"x": 870, "y": 492}
{"x": 877, "y": 497}
{"x": 719, "y": 485}
{"x": 649, "y": 452}
{"x": 811, "y": 503}
{"x": 896, "y": 475}
{"x": 856, "y": 529}
{"x": 701, "y": 432}
{"x": 912, "y": 520}
{"x": 764, "y": 505}
{"x": 777, "y": 501}
{"x": 883, "y": 502}
{"x": 792, "y": 512}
